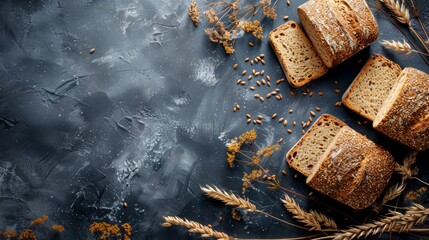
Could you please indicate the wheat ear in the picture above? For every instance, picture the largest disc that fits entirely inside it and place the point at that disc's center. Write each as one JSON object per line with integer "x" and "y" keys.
{"x": 195, "y": 227}
{"x": 393, "y": 192}
{"x": 228, "y": 198}
{"x": 394, "y": 222}
{"x": 399, "y": 11}
{"x": 299, "y": 214}
{"x": 407, "y": 170}
{"x": 397, "y": 46}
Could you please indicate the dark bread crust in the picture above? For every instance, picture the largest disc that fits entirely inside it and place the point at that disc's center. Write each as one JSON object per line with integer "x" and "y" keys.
{"x": 405, "y": 114}
{"x": 338, "y": 28}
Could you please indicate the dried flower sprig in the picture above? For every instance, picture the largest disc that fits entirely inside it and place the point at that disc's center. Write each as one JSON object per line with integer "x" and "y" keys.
{"x": 403, "y": 47}
{"x": 311, "y": 219}
{"x": 235, "y": 145}
{"x": 194, "y": 13}
{"x": 228, "y": 198}
{"x": 230, "y": 17}
{"x": 195, "y": 227}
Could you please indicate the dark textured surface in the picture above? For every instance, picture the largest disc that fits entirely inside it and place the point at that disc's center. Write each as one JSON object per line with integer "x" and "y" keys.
{"x": 145, "y": 119}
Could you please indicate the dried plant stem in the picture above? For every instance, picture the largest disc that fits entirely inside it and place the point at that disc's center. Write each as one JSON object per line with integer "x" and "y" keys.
{"x": 417, "y": 35}
{"x": 417, "y": 15}
{"x": 195, "y": 227}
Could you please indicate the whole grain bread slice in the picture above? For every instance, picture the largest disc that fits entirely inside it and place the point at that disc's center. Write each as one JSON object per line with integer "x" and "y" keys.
{"x": 305, "y": 154}
{"x": 404, "y": 115}
{"x": 298, "y": 58}
{"x": 371, "y": 87}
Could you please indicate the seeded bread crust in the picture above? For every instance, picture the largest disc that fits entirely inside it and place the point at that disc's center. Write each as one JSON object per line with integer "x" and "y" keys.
{"x": 353, "y": 170}
{"x": 404, "y": 115}
{"x": 338, "y": 28}
{"x": 298, "y": 58}
{"x": 371, "y": 87}
{"x": 304, "y": 155}
{"x": 336, "y": 173}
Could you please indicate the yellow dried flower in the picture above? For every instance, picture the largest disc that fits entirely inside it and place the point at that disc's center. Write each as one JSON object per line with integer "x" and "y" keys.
{"x": 253, "y": 27}
{"x": 40, "y": 220}
{"x": 8, "y": 233}
{"x": 194, "y": 13}
{"x": 127, "y": 228}
{"x": 236, "y": 143}
{"x": 211, "y": 16}
{"x": 270, "y": 12}
{"x": 104, "y": 230}
{"x": 58, "y": 228}
{"x": 229, "y": 49}
{"x": 268, "y": 151}
{"x": 249, "y": 178}
{"x": 27, "y": 234}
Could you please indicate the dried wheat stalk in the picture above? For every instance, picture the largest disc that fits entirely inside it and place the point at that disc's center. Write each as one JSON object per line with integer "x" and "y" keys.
{"x": 399, "y": 11}
{"x": 228, "y": 198}
{"x": 311, "y": 219}
{"x": 407, "y": 170}
{"x": 393, "y": 192}
{"x": 195, "y": 227}
{"x": 394, "y": 222}
{"x": 403, "y": 47}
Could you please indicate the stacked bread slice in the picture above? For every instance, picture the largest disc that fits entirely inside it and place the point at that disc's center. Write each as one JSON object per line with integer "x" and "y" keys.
{"x": 341, "y": 163}
{"x": 396, "y": 101}
{"x": 337, "y": 29}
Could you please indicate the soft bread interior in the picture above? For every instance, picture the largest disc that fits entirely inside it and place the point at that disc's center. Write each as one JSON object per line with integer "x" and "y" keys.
{"x": 307, "y": 151}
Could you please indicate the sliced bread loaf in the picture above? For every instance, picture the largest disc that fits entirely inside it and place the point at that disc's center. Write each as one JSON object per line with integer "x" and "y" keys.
{"x": 298, "y": 58}
{"x": 404, "y": 115}
{"x": 338, "y": 28}
{"x": 341, "y": 161}
{"x": 353, "y": 170}
{"x": 372, "y": 85}
{"x": 305, "y": 154}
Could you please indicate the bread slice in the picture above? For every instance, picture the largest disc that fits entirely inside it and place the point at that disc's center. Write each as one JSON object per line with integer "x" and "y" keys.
{"x": 371, "y": 87}
{"x": 338, "y": 28}
{"x": 305, "y": 154}
{"x": 298, "y": 58}
{"x": 353, "y": 170}
{"x": 404, "y": 115}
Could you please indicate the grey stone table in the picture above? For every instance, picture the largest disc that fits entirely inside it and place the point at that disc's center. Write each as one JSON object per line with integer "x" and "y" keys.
{"x": 145, "y": 119}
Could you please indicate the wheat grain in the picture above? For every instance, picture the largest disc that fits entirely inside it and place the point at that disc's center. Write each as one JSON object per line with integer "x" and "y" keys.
{"x": 307, "y": 218}
{"x": 399, "y": 11}
{"x": 393, "y": 192}
{"x": 195, "y": 227}
{"x": 228, "y": 198}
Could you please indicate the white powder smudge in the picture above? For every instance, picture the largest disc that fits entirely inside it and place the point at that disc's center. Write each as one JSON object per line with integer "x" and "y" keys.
{"x": 204, "y": 71}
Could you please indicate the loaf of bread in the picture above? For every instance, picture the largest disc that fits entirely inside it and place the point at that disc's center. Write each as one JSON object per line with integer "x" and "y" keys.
{"x": 341, "y": 163}
{"x": 372, "y": 85}
{"x": 298, "y": 58}
{"x": 338, "y": 28}
{"x": 307, "y": 151}
{"x": 404, "y": 115}
{"x": 347, "y": 168}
